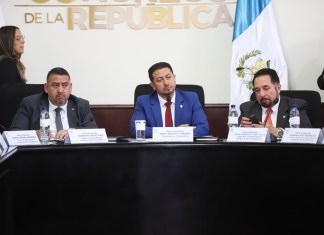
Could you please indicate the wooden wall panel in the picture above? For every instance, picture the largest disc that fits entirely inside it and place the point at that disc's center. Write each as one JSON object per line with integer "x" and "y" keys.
{"x": 116, "y": 118}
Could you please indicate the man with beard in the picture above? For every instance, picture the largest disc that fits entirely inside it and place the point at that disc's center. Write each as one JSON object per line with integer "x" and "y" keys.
{"x": 74, "y": 112}
{"x": 270, "y": 106}
{"x": 185, "y": 108}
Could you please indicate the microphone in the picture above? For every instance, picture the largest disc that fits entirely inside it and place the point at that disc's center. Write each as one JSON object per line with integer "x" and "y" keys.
{"x": 320, "y": 81}
{"x": 276, "y": 100}
{"x": 91, "y": 119}
{"x": 239, "y": 68}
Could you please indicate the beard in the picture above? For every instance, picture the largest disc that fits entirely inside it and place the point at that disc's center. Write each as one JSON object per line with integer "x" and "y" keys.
{"x": 268, "y": 103}
{"x": 168, "y": 91}
{"x": 60, "y": 99}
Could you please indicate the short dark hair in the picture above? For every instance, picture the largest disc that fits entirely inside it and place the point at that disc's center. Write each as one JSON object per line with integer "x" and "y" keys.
{"x": 58, "y": 71}
{"x": 157, "y": 66}
{"x": 267, "y": 71}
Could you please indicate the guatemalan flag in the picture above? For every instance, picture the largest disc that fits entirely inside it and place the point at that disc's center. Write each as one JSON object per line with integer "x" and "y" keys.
{"x": 256, "y": 45}
{"x": 2, "y": 23}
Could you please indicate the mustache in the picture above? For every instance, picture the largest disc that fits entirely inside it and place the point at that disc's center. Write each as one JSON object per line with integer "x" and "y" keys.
{"x": 275, "y": 101}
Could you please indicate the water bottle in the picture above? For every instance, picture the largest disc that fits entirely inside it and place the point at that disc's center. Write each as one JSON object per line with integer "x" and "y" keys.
{"x": 232, "y": 117}
{"x": 294, "y": 119}
{"x": 44, "y": 130}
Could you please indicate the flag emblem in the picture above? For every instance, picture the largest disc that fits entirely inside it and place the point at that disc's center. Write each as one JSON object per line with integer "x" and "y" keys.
{"x": 248, "y": 65}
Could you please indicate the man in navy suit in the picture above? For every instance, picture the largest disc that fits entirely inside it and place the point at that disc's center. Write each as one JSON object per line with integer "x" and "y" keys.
{"x": 75, "y": 112}
{"x": 186, "y": 109}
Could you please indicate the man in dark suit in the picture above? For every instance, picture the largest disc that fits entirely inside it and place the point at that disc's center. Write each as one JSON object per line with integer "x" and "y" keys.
{"x": 75, "y": 112}
{"x": 186, "y": 109}
{"x": 266, "y": 85}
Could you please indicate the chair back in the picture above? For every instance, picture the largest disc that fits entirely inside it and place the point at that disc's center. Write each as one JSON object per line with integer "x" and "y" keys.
{"x": 145, "y": 89}
{"x": 10, "y": 98}
{"x": 313, "y": 100}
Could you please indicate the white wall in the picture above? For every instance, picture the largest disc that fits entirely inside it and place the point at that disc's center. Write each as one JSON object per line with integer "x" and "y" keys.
{"x": 106, "y": 65}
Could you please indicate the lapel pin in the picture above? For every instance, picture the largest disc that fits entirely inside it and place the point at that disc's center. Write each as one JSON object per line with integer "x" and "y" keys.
{"x": 181, "y": 106}
{"x": 73, "y": 109}
{"x": 283, "y": 116}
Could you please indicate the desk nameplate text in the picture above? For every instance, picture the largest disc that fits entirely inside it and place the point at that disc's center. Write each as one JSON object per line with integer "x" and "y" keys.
{"x": 20, "y": 138}
{"x": 302, "y": 135}
{"x": 172, "y": 134}
{"x": 247, "y": 134}
{"x": 85, "y": 136}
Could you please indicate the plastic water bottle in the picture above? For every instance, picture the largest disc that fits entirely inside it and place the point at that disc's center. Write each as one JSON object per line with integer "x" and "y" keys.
{"x": 44, "y": 130}
{"x": 232, "y": 117}
{"x": 294, "y": 119}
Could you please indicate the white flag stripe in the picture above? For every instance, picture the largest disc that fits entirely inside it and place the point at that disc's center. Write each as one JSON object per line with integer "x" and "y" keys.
{"x": 258, "y": 44}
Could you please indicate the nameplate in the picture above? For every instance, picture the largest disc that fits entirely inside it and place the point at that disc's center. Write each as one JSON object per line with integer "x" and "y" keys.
{"x": 21, "y": 138}
{"x": 86, "y": 136}
{"x": 172, "y": 134}
{"x": 248, "y": 134}
{"x": 302, "y": 136}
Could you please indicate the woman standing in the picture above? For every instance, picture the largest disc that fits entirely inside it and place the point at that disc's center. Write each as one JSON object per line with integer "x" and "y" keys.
{"x": 12, "y": 44}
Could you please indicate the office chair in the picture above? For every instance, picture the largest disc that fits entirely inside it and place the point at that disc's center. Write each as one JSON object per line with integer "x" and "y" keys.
{"x": 10, "y": 98}
{"x": 145, "y": 89}
{"x": 320, "y": 81}
{"x": 313, "y": 100}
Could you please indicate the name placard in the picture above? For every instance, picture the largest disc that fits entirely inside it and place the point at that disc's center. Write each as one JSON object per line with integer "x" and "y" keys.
{"x": 248, "y": 134}
{"x": 20, "y": 138}
{"x": 86, "y": 136}
{"x": 172, "y": 134}
{"x": 302, "y": 135}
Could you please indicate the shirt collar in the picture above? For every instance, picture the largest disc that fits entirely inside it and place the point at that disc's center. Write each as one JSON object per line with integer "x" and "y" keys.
{"x": 53, "y": 106}
{"x": 274, "y": 108}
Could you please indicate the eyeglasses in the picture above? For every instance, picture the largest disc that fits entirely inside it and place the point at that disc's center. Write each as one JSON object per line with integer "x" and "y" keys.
{"x": 20, "y": 38}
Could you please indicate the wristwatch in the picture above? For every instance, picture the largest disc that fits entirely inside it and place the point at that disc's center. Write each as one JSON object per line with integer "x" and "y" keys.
{"x": 280, "y": 133}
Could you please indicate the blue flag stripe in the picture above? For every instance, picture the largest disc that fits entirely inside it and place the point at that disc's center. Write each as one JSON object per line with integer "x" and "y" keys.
{"x": 246, "y": 13}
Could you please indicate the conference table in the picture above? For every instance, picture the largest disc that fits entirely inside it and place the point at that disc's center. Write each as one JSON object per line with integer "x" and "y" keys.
{"x": 163, "y": 188}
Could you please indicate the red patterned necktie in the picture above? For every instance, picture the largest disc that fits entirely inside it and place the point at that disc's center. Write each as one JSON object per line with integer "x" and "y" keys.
{"x": 268, "y": 120}
{"x": 168, "y": 115}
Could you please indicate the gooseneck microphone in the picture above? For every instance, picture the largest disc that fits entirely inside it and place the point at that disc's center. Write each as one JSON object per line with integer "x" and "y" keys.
{"x": 320, "y": 81}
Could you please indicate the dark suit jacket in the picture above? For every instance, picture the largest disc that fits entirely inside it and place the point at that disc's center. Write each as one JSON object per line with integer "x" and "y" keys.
{"x": 253, "y": 107}
{"x": 188, "y": 110}
{"x": 27, "y": 116}
{"x": 8, "y": 71}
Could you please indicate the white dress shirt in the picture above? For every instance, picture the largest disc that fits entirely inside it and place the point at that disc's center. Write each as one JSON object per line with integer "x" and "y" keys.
{"x": 163, "y": 108}
{"x": 64, "y": 118}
